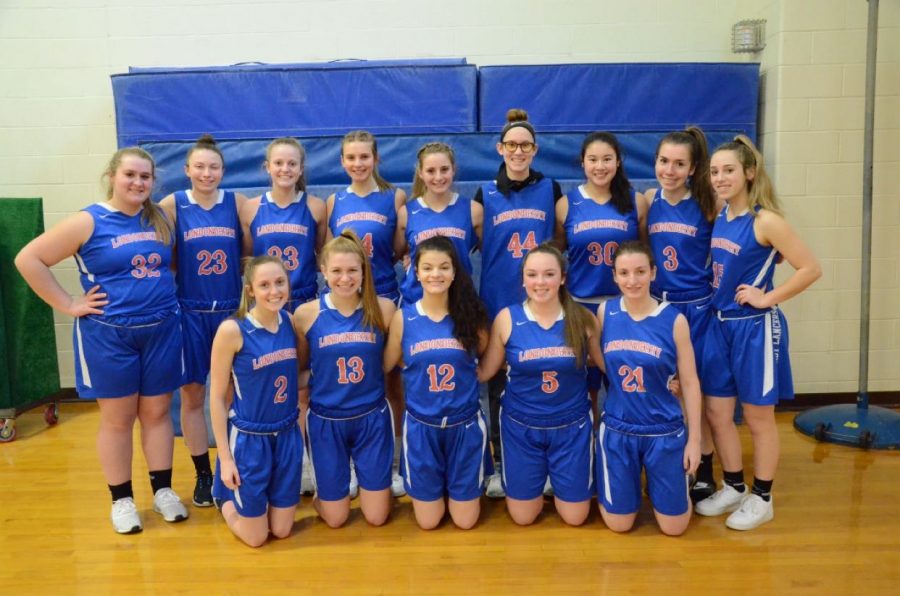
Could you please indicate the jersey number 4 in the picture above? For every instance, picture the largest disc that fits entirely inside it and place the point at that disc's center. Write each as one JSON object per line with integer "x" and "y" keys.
{"x": 440, "y": 378}
{"x": 350, "y": 370}
{"x": 632, "y": 379}
{"x": 519, "y": 248}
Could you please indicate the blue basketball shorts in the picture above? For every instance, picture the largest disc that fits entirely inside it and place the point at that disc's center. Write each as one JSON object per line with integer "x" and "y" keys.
{"x": 444, "y": 461}
{"x": 698, "y": 314}
{"x": 118, "y": 361}
{"x": 368, "y": 439}
{"x": 199, "y": 328}
{"x": 530, "y": 453}
{"x": 748, "y": 358}
{"x": 622, "y": 455}
{"x": 269, "y": 466}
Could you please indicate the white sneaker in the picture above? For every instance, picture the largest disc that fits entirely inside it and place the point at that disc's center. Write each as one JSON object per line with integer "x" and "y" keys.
{"x": 397, "y": 488}
{"x": 307, "y": 480}
{"x": 354, "y": 483}
{"x": 548, "y": 488}
{"x": 753, "y": 512}
{"x": 722, "y": 501}
{"x": 494, "y": 488}
{"x": 167, "y": 504}
{"x": 125, "y": 518}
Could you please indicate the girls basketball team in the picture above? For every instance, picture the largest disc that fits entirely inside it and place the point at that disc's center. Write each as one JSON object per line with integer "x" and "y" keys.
{"x": 670, "y": 293}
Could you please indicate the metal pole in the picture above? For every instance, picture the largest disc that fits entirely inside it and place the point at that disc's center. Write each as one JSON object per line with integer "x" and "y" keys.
{"x": 862, "y": 398}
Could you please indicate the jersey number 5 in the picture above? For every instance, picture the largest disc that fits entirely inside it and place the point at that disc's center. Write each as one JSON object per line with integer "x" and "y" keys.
{"x": 549, "y": 382}
{"x": 350, "y": 370}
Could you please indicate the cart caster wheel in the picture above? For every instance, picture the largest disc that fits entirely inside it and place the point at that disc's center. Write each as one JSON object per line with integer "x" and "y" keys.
{"x": 51, "y": 414}
{"x": 820, "y": 431}
{"x": 866, "y": 439}
{"x": 8, "y": 430}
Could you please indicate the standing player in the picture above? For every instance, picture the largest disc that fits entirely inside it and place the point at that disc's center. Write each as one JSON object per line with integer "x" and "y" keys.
{"x": 369, "y": 207}
{"x": 340, "y": 338}
{"x": 435, "y": 210}
{"x": 645, "y": 343}
{"x": 546, "y": 424}
{"x": 261, "y": 463}
{"x": 286, "y": 222}
{"x": 208, "y": 279}
{"x": 518, "y": 216}
{"x": 746, "y": 354}
{"x": 679, "y": 226}
{"x": 127, "y": 331}
{"x": 439, "y": 339}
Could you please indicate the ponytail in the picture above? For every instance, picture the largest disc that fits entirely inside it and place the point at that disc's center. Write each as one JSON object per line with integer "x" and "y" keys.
{"x": 700, "y": 185}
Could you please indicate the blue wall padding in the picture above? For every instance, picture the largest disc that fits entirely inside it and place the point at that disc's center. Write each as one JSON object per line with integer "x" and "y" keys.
{"x": 252, "y": 103}
{"x": 476, "y": 156}
{"x": 622, "y": 97}
{"x": 349, "y": 63}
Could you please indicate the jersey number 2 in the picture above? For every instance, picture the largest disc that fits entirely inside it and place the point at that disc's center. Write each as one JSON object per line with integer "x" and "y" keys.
{"x": 281, "y": 389}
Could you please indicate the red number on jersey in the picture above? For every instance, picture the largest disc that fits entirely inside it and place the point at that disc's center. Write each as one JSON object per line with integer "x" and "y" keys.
{"x": 145, "y": 267}
{"x": 350, "y": 370}
{"x": 602, "y": 254}
{"x": 289, "y": 256}
{"x": 281, "y": 389}
{"x": 446, "y": 373}
{"x": 519, "y": 248}
{"x": 368, "y": 245}
{"x": 549, "y": 382}
{"x": 212, "y": 263}
{"x": 671, "y": 262}
{"x": 633, "y": 379}
{"x": 718, "y": 272}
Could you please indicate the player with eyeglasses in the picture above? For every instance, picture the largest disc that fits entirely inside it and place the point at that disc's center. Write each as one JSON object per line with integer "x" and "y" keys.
{"x": 518, "y": 216}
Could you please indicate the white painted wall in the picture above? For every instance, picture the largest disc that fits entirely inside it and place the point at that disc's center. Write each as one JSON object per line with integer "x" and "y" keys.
{"x": 57, "y": 126}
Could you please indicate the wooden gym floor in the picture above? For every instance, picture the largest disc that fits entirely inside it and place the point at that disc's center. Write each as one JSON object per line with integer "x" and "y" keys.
{"x": 836, "y": 531}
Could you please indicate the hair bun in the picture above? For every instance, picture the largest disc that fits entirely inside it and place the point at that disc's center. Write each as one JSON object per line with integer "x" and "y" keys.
{"x": 516, "y": 115}
{"x": 206, "y": 139}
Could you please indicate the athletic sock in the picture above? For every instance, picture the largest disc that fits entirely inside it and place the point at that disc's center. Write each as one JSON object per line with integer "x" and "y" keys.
{"x": 201, "y": 463}
{"x": 121, "y": 491}
{"x": 705, "y": 469}
{"x": 160, "y": 479}
{"x": 736, "y": 480}
{"x": 762, "y": 488}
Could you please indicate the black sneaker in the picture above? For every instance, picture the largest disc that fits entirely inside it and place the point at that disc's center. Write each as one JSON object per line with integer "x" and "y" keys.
{"x": 701, "y": 490}
{"x": 203, "y": 491}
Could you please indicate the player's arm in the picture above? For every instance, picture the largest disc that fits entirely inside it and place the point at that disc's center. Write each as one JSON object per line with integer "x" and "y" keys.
{"x": 773, "y": 230}
{"x": 60, "y": 242}
{"x": 226, "y": 344}
{"x": 318, "y": 211}
{"x": 642, "y": 204}
{"x": 329, "y": 209}
{"x": 562, "y": 212}
{"x": 690, "y": 391}
{"x": 478, "y": 221}
{"x": 495, "y": 354}
{"x": 393, "y": 348}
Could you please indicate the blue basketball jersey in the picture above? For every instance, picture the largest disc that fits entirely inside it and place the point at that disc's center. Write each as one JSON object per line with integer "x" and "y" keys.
{"x": 124, "y": 257}
{"x": 265, "y": 377}
{"x": 439, "y": 375}
{"x": 679, "y": 238}
{"x": 593, "y": 233}
{"x": 208, "y": 253}
{"x": 544, "y": 384}
{"x": 737, "y": 258}
{"x": 345, "y": 363}
{"x": 641, "y": 359}
{"x": 454, "y": 222}
{"x": 288, "y": 233}
{"x": 374, "y": 219}
{"x": 513, "y": 225}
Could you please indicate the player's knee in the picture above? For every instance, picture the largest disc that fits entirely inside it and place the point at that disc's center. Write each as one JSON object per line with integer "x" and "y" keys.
{"x": 618, "y": 524}
{"x": 467, "y": 520}
{"x": 523, "y": 516}
{"x": 335, "y": 520}
{"x": 255, "y": 538}
{"x": 378, "y": 517}
{"x": 673, "y": 527}
{"x": 428, "y": 522}
{"x": 574, "y": 517}
{"x": 282, "y": 530}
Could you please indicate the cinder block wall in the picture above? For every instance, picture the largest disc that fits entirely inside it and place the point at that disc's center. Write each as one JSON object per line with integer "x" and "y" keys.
{"x": 57, "y": 127}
